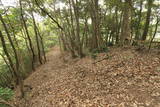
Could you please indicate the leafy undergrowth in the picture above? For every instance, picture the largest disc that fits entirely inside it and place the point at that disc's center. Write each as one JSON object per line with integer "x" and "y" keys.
{"x": 5, "y": 95}
{"x": 125, "y": 78}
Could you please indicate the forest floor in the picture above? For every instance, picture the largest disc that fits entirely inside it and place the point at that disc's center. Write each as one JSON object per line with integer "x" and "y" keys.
{"x": 126, "y": 78}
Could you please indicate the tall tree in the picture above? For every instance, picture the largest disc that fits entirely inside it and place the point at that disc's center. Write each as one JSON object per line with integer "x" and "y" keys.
{"x": 96, "y": 41}
{"x": 145, "y": 32}
{"x": 137, "y": 36}
{"x": 126, "y": 30}
{"x": 36, "y": 35}
{"x": 155, "y": 31}
{"x": 27, "y": 33}
{"x": 17, "y": 68}
{"x": 77, "y": 13}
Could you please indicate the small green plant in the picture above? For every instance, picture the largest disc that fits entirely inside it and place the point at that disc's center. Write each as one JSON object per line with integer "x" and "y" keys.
{"x": 94, "y": 55}
{"x": 94, "y": 52}
{"x": 6, "y": 93}
{"x": 103, "y": 49}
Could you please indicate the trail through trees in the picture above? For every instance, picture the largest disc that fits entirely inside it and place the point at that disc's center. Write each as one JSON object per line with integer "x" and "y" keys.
{"x": 126, "y": 79}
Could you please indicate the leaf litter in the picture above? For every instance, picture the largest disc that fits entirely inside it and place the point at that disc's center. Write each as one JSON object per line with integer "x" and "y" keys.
{"x": 126, "y": 79}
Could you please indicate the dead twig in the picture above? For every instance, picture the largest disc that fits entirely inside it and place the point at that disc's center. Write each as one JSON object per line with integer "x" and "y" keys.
{"x": 107, "y": 57}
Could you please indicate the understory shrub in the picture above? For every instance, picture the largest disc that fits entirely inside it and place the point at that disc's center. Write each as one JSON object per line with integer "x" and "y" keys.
{"x": 5, "y": 94}
{"x": 94, "y": 52}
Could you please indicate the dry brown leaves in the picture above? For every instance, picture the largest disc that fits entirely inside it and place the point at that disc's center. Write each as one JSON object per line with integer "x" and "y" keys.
{"x": 126, "y": 79}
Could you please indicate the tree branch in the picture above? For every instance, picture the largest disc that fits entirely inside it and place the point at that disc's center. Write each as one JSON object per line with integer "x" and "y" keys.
{"x": 45, "y": 11}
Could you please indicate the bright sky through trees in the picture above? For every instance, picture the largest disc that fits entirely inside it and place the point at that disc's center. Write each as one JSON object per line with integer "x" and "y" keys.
{"x": 9, "y": 2}
{"x": 14, "y": 2}
{"x": 59, "y": 5}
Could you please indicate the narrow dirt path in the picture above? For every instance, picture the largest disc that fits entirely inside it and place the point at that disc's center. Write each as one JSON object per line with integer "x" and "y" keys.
{"x": 125, "y": 79}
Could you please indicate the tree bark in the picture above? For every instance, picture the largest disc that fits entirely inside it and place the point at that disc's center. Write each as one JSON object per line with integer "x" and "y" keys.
{"x": 16, "y": 77}
{"x": 126, "y": 30}
{"x": 42, "y": 43}
{"x": 19, "y": 78}
{"x": 37, "y": 37}
{"x": 8, "y": 65}
{"x": 137, "y": 36}
{"x": 45, "y": 11}
{"x": 76, "y": 13}
{"x": 28, "y": 36}
{"x": 145, "y": 33}
{"x": 11, "y": 42}
{"x": 158, "y": 20}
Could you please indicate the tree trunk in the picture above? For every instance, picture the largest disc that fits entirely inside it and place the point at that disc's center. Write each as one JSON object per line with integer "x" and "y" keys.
{"x": 45, "y": 11}
{"x": 96, "y": 40}
{"x": 116, "y": 18}
{"x": 42, "y": 43}
{"x": 28, "y": 36}
{"x": 144, "y": 36}
{"x": 158, "y": 20}
{"x": 37, "y": 37}
{"x": 8, "y": 65}
{"x": 76, "y": 13}
{"x": 126, "y": 30}
{"x": 19, "y": 79}
{"x": 137, "y": 37}
{"x": 11, "y": 42}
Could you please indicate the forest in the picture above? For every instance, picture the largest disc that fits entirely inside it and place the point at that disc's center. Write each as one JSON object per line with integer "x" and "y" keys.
{"x": 79, "y": 53}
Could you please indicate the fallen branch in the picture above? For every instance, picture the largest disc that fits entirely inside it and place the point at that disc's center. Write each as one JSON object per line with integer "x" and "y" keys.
{"x": 107, "y": 57}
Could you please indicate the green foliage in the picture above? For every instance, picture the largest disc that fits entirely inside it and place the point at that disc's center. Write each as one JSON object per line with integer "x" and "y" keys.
{"x": 94, "y": 55}
{"x": 5, "y": 75}
{"x": 6, "y": 93}
{"x": 95, "y": 52}
{"x": 4, "y": 105}
{"x": 100, "y": 50}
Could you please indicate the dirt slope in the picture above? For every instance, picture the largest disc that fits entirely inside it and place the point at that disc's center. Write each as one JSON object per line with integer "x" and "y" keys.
{"x": 125, "y": 79}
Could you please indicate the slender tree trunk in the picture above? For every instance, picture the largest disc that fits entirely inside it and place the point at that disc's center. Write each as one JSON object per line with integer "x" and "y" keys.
{"x": 72, "y": 35}
{"x": 72, "y": 23}
{"x": 28, "y": 36}
{"x": 84, "y": 32}
{"x": 42, "y": 43}
{"x": 145, "y": 33}
{"x": 45, "y": 11}
{"x": 158, "y": 20}
{"x": 71, "y": 39}
{"x": 8, "y": 65}
{"x": 117, "y": 32}
{"x": 19, "y": 81}
{"x": 37, "y": 38}
{"x": 13, "y": 30}
{"x": 120, "y": 24}
{"x": 137, "y": 36}
{"x": 15, "y": 70}
{"x": 25, "y": 39}
{"x": 11, "y": 42}
{"x": 76, "y": 13}
{"x": 63, "y": 41}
